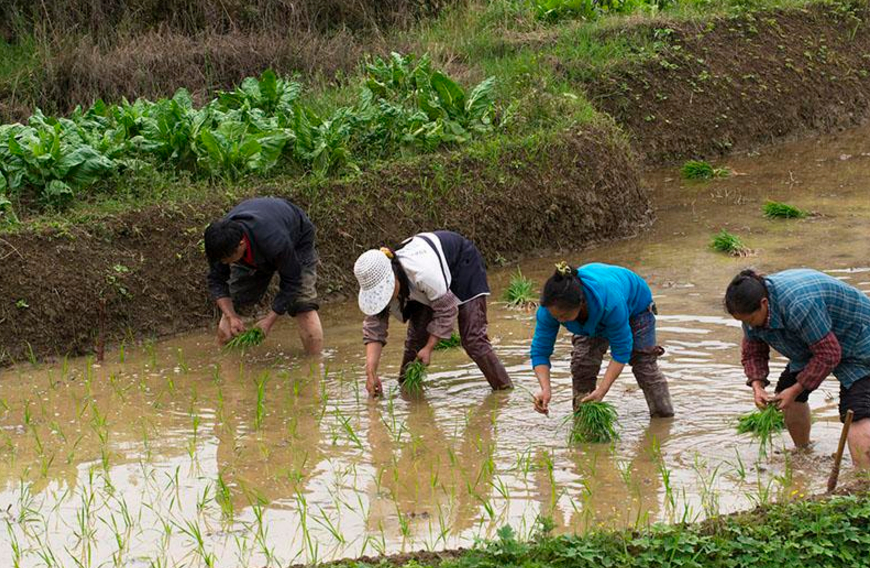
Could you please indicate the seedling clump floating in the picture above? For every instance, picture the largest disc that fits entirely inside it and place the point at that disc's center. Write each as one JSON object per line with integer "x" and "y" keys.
{"x": 730, "y": 244}
{"x": 777, "y": 210}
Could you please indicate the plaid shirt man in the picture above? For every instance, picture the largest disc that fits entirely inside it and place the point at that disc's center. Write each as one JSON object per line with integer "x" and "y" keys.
{"x": 819, "y": 323}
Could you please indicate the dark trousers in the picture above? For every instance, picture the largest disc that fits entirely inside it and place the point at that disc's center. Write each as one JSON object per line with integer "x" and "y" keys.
{"x": 589, "y": 352}
{"x": 472, "y": 333}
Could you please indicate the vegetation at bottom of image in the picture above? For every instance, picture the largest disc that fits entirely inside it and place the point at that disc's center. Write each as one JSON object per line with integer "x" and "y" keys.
{"x": 699, "y": 169}
{"x": 777, "y": 210}
{"x": 246, "y": 339}
{"x": 520, "y": 292}
{"x": 729, "y": 243}
{"x": 831, "y": 532}
{"x": 593, "y": 422}
{"x": 415, "y": 374}
{"x": 762, "y": 424}
{"x": 451, "y": 342}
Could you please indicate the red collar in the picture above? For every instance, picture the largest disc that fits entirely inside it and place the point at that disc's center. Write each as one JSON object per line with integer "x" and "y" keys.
{"x": 248, "y": 258}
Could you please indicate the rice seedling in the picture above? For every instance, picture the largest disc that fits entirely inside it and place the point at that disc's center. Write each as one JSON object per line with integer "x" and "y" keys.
{"x": 699, "y": 169}
{"x": 762, "y": 424}
{"x": 449, "y": 343}
{"x": 777, "y": 210}
{"x": 247, "y": 339}
{"x": 520, "y": 292}
{"x": 593, "y": 422}
{"x": 415, "y": 374}
{"x": 729, "y": 243}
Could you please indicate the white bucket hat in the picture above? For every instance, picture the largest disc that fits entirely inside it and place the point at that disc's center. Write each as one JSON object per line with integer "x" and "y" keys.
{"x": 374, "y": 271}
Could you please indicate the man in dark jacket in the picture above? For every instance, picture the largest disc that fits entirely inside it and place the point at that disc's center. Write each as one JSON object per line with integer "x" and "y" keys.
{"x": 258, "y": 238}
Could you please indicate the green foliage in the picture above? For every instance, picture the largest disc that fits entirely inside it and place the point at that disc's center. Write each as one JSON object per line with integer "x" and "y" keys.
{"x": 590, "y": 9}
{"x": 699, "y": 169}
{"x": 777, "y": 210}
{"x": 729, "y": 243}
{"x": 246, "y": 339}
{"x": 594, "y": 422}
{"x": 762, "y": 424}
{"x": 830, "y": 532}
{"x": 450, "y": 343}
{"x": 520, "y": 293}
{"x": 403, "y": 106}
{"x": 415, "y": 374}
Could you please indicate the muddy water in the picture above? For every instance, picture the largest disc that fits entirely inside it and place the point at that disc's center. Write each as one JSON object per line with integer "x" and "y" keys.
{"x": 174, "y": 453}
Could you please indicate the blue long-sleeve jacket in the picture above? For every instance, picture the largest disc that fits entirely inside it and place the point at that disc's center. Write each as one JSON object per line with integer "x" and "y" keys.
{"x": 613, "y": 295}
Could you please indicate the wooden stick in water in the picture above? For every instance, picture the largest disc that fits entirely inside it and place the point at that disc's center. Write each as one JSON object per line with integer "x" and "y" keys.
{"x": 835, "y": 472}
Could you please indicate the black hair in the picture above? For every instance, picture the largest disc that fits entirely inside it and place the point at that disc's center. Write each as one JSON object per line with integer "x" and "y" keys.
{"x": 564, "y": 290}
{"x": 222, "y": 239}
{"x": 745, "y": 292}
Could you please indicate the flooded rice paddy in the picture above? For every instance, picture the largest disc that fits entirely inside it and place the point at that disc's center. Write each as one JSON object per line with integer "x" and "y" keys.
{"x": 174, "y": 453}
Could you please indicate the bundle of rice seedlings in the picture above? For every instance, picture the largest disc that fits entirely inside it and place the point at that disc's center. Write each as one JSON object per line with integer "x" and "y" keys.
{"x": 449, "y": 343}
{"x": 699, "y": 169}
{"x": 762, "y": 424}
{"x": 520, "y": 292}
{"x": 246, "y": 339}
{"x": 729, "y": 243}
{"x": 777, "y": 210}
{"x": 415, "y": 374}
{"x": 594, "y": 422}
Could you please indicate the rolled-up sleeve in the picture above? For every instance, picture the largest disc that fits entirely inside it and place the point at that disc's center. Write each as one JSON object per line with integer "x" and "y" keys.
{"x": 375, "y": 328}
{"x": 826, "y": 356}
{"x": 444, "y": 311}
{"x": 546, "y": 330}
{"x": 755, "y": 357}
{"x": 218, "y": 278}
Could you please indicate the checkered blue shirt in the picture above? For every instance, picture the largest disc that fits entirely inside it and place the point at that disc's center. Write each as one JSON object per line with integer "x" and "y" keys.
{"x": 805, "y": 306}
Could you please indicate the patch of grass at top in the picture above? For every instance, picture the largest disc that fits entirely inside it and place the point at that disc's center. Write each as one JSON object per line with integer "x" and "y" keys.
{"x": 520, "y": 292}
{"x": 699, "y": 169}
{"x": 777, "y": 210}
{"x": 729, "y": 243}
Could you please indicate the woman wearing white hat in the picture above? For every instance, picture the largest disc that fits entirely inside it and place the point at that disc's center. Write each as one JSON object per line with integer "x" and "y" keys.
{"x": 429, "y": 281}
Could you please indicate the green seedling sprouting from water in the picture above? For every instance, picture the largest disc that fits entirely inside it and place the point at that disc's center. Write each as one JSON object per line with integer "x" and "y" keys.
{"x": 251, "y": 338}
{"x": 777, "y": 210}
{"x": 520, "y": 292}
{"x": 593, "y": 422}
{"x": 729, "y": 243}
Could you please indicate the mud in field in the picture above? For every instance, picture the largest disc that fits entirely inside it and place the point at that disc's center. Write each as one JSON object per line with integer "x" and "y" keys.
{"x": 175, "y": 453}
{"x": 737, "y": 83}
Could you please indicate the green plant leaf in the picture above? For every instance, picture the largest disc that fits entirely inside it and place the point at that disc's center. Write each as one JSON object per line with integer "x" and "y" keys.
{"x": 452, "y": 96}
